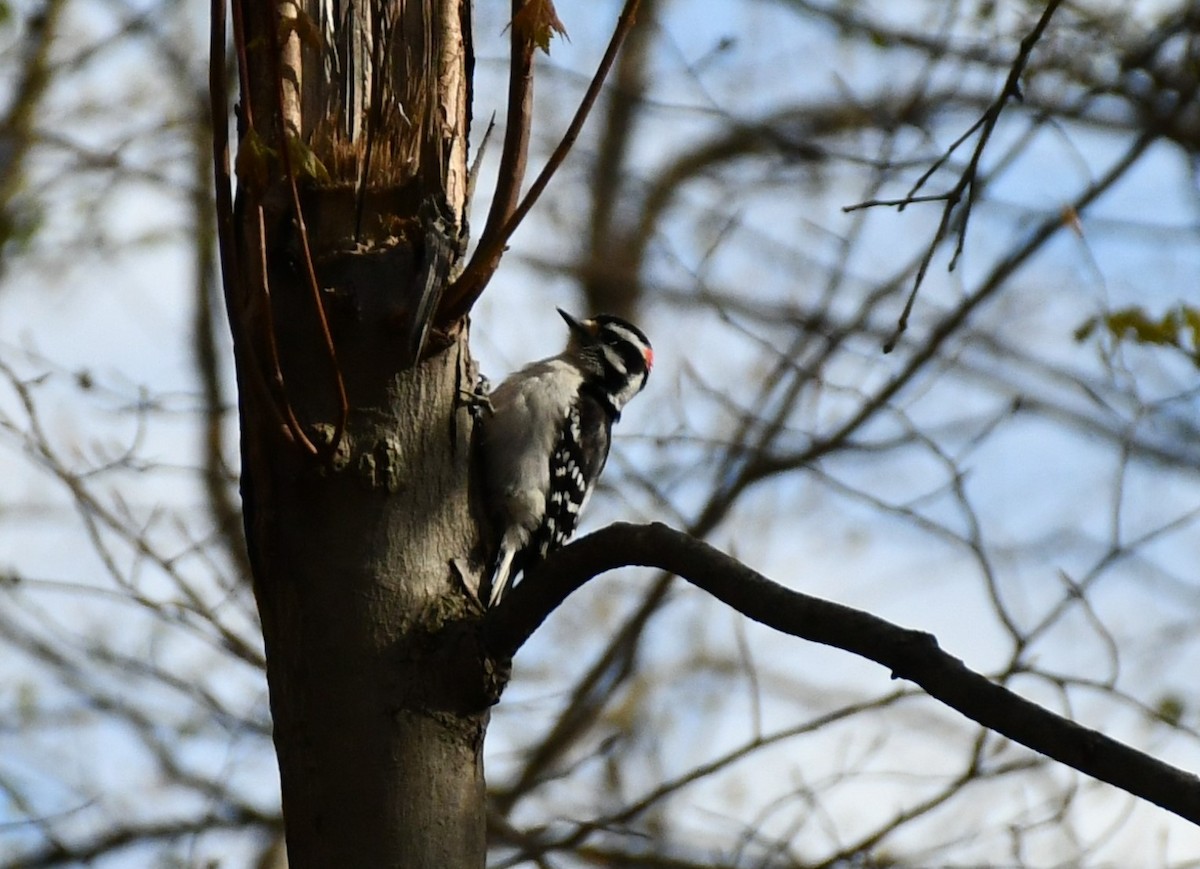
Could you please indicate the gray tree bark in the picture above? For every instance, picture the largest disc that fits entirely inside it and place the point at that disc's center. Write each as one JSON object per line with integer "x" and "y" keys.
{"x": 360, "y": 522}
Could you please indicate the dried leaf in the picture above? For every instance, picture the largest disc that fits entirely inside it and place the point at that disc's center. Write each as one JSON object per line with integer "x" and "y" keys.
{"x": 538, "y": 21}
{"x": 1070, "y": 219}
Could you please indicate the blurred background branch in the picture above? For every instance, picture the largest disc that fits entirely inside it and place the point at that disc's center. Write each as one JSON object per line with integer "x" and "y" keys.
{"x": 1019, "y": 477}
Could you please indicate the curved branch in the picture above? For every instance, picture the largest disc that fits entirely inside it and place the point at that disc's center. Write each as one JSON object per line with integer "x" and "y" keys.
{"x": 515, "y": 153}
{"x": 462, "y": 294}
{"x": 909, "y": 654}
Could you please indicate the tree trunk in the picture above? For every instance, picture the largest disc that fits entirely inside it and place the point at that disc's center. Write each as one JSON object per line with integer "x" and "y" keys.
{"x": 361, "y": 526}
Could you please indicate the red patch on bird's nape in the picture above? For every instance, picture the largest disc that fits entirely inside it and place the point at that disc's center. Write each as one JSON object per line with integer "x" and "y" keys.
{"x": 649, "y": 358}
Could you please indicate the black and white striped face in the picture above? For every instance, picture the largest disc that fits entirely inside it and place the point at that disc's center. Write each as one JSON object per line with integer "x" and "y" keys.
{"x": 615, "y": 355}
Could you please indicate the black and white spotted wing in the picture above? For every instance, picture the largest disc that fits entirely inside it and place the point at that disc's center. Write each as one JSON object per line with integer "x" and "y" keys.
{"x": 575, "y": 465}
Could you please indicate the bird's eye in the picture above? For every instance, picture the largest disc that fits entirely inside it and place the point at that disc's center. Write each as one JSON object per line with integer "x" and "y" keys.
{"x": 633, "y": 357}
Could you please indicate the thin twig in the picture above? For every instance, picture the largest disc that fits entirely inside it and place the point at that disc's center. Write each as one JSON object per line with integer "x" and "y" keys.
{"x": 514, "y": 155}
{"x": 898, "y": 204}
{"x": 268, "y": 316}
{"x": 514, "y": 160}
{"x": 219, "y": 109}
{"x": 463, "y": 293}
{"x": 239, "y": 46}
{"x": 967, "y": 184}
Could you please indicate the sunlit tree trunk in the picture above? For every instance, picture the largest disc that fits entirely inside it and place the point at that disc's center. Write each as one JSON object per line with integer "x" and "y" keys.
{"x": 359, "y": 513}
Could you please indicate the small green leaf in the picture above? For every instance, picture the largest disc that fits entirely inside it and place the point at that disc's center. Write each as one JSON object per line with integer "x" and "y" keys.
{"x": 27, "y": 702}
{"x": 1136, "y": 324}
{"x": 305, "y": 163}
{"x": 253, "y": 162}
{"x": 1170, "y": 708}
{"x": 1178, "y": 328}
{"x": 1086, "y": 329}
{"x": 1191, "y": 318}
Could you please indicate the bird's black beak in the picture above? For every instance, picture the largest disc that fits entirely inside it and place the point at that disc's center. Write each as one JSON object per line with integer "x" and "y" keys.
{"x": 585, "y": 329}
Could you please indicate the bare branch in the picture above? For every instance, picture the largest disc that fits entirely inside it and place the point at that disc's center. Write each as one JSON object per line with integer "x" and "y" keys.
{"x": 515, "y": 153}
{"x": 461, "y": 295}
{"x": 967, "y": 184}
{"x": 909, "y": 654}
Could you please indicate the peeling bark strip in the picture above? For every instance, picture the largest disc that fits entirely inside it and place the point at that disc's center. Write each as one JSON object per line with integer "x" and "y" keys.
{"x": 351, "y": 168}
